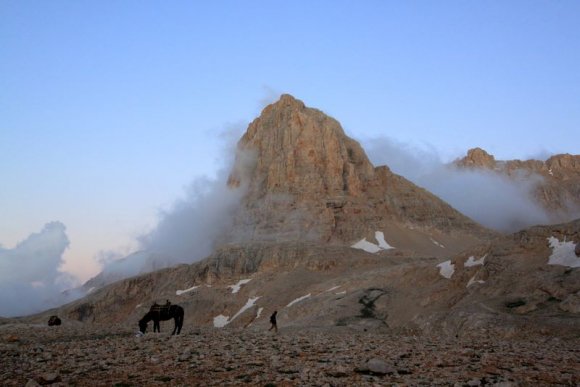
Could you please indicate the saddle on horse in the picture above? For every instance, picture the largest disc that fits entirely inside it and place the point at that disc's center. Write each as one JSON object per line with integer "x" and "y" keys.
{"x": 161, "y": 309}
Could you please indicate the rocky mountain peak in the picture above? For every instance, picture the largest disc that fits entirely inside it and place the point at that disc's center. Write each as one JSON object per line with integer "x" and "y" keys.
{"x": 300, "y": 151}
{"x": 307, "y": 180}
{"x": 477, "y": 158}
{"x": 564, "y": 163}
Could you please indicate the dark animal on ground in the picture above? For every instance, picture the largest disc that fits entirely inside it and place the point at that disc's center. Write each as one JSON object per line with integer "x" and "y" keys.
{"x": 163, "y": 313}
{"x": 53, "y": 321}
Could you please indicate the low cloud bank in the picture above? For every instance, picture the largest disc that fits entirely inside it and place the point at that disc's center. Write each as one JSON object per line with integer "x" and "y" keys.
{"x": 189, "y": 230}
{"x": 30, "y": 279}
{"x": 487, "y": 197}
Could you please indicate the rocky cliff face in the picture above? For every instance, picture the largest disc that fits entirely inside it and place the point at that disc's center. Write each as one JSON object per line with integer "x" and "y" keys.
{"x": 306, "y": 180}
{"x": 556, "y": 180}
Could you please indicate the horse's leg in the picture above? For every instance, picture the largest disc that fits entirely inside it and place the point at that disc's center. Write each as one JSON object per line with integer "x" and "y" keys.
{"x": 179, "y": 322}
{"x": 156, "y": 326}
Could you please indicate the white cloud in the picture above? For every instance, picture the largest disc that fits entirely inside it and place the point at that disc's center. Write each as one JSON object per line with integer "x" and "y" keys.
{"x": 488, "y": 197}
{"x": 190, "y": 229}
{"x": 30, "y": 279}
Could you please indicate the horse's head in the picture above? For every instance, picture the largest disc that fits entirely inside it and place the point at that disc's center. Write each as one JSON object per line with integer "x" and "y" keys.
{"x": 142, "y": 326}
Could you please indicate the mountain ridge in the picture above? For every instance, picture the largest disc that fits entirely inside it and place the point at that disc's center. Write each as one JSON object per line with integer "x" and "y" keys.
{"x": 556, "y": 180}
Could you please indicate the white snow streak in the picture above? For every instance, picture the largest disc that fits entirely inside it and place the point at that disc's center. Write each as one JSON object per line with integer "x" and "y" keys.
{"x": 471, "y": 261}
{"x": 249, "y": 304}
{"x": 380, "y": 237}
{"x": 437, "y": 243}
{"x": 180, "y": 292}
{"x": 221, "y": 320}
{"x": 370, "y": 247}
{"x": 236, "y": 287}
{"x": 333, "y": 288}
{"x": 474, "y": 281}
{"x": 446, "y": 269}
{"x": 298, "y": 300}
{"x": 563, "y": 253}
{"x": 367, "y": 246}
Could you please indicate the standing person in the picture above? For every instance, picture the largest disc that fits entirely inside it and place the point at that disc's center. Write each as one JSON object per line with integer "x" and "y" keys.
{"x": 273, "y": 322}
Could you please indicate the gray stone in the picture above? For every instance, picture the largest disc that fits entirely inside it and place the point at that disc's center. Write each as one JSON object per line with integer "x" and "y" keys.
{"x": 49, "y": 378}
{"x": 379, "y": 367}
{"x": 338, "y": 372}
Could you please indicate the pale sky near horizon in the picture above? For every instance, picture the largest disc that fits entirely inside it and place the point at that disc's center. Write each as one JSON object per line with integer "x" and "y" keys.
{"x": 108, "y": 109}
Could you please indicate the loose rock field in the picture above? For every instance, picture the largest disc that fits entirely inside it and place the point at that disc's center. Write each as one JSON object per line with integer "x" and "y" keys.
{"x": 87, "y": 355}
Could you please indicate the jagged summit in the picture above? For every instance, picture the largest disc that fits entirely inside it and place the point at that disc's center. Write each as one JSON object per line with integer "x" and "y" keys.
{"x": 307, "y": 180}
{"x": 477, "y": 158}
{"x": 559, "y": 165}
{"x": 301, "y": 151}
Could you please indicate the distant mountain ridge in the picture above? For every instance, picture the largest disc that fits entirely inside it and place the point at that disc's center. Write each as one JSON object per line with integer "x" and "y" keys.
{"x": 557, "y": 180}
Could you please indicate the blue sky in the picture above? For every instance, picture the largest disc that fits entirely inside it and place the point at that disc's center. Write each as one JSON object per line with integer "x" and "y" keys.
{"x": 108, "y": 109}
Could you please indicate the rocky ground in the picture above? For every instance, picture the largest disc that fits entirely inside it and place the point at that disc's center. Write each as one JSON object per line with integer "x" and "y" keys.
{"x": 88, "y": 355}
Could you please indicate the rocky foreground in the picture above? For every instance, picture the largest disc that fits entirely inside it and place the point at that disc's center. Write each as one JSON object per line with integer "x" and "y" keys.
{"x": 85, "y": 355}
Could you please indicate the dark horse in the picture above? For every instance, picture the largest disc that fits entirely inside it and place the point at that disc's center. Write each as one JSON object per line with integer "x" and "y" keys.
{"x": 163, "y": 313}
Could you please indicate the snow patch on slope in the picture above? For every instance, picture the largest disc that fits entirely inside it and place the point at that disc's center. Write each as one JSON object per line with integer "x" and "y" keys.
{"x": 236, "y": 288}
{"x": 474, "y": 281}
{"x": 221, "y": 320}
{"x": 471, "y": 261}
{"x": 563, "y": 253}
{"x": 370, "y": 247}
{"x": 180, "y": 292}
{"x": 446, "y": 269}
{"x": 437, "y": 243}
{"x": 298, "y": 300}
